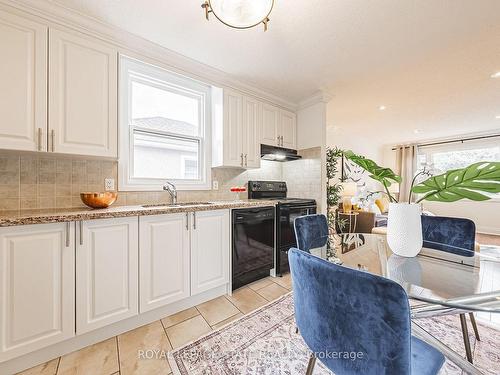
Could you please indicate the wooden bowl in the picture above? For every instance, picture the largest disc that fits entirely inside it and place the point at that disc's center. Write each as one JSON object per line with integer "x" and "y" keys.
{"x": 99, "y": 200}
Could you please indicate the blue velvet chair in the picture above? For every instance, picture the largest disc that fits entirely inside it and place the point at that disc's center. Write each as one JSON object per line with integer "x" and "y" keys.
{"x": 341, "y": 311}
{"x": 450, "y": 234}
{"x": 311, "y": 232}
{"x": 457, "y": 236}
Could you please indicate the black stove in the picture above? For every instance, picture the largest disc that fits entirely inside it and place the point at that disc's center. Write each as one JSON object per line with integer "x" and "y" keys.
{"x": 287, "y": 210}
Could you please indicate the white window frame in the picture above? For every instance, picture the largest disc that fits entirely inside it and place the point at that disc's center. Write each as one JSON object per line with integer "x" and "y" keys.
{"x": 456, "y": 146}
{"x": 135, "y": 70}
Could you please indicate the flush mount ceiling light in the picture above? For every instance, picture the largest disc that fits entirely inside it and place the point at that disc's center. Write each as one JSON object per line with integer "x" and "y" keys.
{"x": 382, "y": 108}
{"x": 240, "y": 14}
{"x": 495, "y": 75}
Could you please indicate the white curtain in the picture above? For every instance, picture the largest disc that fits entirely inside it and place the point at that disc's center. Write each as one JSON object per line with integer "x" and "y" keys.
{"x": 406, "y": 167}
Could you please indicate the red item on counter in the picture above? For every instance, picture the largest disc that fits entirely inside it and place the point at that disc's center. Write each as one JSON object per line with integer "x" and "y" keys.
{"x": 237, "y": 189}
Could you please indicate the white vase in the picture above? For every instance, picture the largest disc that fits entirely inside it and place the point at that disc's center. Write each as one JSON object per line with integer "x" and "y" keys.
{"x": 404, "y": 229}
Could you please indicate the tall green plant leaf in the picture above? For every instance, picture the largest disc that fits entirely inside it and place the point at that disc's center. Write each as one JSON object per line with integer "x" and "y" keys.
{"x": 469, "y": 183}
{"x": 384, "y": 175}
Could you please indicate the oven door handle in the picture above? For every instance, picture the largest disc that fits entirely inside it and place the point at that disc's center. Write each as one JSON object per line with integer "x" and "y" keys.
{"x": 298, "y": 207}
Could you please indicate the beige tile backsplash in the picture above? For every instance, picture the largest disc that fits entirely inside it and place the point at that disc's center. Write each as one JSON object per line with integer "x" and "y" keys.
{"x": 32, "y": 181}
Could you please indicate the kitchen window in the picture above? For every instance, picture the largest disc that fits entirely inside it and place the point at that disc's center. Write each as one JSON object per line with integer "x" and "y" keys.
{"x": 164, "y": 129}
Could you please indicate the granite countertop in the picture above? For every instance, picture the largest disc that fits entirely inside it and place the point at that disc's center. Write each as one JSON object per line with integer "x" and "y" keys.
{"x": 25, "y": 217}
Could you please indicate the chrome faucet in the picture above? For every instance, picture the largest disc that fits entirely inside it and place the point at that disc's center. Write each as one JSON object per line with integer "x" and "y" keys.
{"x": 170, "y": 187}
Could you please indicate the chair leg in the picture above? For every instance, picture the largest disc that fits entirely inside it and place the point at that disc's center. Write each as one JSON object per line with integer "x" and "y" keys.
{"x": 474, "y": 326}
{"x": 310, "y": 366}
{"x": 465, "y": 333}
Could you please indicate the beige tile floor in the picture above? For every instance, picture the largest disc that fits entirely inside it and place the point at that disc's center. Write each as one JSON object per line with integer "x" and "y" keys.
{"x": 120, "y": 355}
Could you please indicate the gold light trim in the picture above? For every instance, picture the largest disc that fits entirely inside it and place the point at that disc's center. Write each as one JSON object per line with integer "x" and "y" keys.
{"x": 208, "y": 9}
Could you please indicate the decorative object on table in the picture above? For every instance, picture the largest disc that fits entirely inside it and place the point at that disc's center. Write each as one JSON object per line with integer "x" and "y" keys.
{"x": 476, "y": 182}
{"x": 333, "y": 185}
{"x": 240, "y": 14}
{"x": 99, "y": 200}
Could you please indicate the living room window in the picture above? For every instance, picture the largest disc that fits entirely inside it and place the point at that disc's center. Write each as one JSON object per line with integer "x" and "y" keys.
{"x": 164, "y": 129}
{"x": 455, "y": 155}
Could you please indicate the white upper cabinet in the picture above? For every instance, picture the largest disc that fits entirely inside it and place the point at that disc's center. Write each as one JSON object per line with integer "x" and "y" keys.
{"x": 163, "y": 259}
{"x": 233, "y": 129}
{"x": 37, "y": 287}
{"x": 252, "y": 118}
{"x": 23, "y": 80}
{"x": 288, "y": 129}
{"x": 270, "y": 125}
{"x": 236, "y": 125}
{"x": 82, "y": 95}
{"x": 106, "y": 272}
{"x": 209, "y": 250}
{"x": 279, "y": 127}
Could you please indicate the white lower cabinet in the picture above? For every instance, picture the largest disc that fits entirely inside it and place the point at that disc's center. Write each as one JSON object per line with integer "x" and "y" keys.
{"x": 106, "y": 272}
{"x": 61, "y": 280}
{"x": 209, "y": 250}
{"x": 163, "y": 259}
{"x": 37, "y": 287}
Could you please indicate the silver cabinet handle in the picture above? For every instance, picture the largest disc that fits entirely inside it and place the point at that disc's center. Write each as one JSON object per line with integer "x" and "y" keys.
{"x": 281, "y": 140}
{"x": 53, "y": 139}
{"x": 194, "y": 220}
{"x": 278, "y": 140}
{"x": 187, "y": 220}
{"x": 39, "y": 139}
{"x": 246, "y": 161}
{"x": 241, "y": 157}
{"x": 81, "y": 232}
{"x": 68, "y": 228}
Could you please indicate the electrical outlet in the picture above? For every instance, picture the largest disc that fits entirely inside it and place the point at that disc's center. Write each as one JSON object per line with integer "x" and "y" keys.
{"x": 109, "y": 184}
{"x": 215, "y": 185}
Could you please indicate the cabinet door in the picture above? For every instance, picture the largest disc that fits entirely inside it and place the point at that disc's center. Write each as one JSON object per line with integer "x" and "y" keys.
{"x": 233, "y": 129}
{"x": 288, "y": 129}
{"x": 23, "y": 77}
{"x": 252, "y": 118}
{"x": 82, "y": 95}
{"x": 106, "y": 272}
{"x": 209, "y": 250}
{"x": 164, "y": 260}
{"x": 270, "y": 122}
{"x": 37, "y": 287}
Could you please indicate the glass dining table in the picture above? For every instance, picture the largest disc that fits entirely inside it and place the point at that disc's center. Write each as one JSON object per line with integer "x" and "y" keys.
{"x": 436, "y": 282}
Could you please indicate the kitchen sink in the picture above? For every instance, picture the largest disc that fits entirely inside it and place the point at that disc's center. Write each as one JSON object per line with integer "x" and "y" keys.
{"x": 180, "y": 204}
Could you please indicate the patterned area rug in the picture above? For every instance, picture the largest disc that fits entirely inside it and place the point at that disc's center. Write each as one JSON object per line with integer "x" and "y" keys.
{"x": 265, "y": 342}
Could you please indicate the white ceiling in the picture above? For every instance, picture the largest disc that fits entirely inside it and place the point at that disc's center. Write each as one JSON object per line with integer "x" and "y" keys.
{"x": 428, "y": 61}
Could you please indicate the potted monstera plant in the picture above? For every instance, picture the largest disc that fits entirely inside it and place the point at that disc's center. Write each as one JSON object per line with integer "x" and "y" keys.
{"x": 477, "y": 182}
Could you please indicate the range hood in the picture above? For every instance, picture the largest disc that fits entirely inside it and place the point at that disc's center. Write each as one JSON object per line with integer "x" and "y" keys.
{"x": 278, "y": 153}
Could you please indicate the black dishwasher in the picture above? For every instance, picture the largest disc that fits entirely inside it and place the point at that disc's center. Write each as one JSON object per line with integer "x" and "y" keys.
{"x": 253, "y": 244}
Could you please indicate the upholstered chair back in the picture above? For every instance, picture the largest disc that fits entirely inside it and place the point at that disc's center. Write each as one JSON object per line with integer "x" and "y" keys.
{"x": 451, "y": 234}
{"x": 340, "y": 311}
{"x": 311, "y": 232}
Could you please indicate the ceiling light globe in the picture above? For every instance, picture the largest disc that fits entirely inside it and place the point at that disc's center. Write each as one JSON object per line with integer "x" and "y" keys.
{"x": 241, "y": 14}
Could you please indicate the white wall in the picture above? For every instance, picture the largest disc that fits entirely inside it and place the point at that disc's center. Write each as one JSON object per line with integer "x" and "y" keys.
{"x": 311, "y": 126}
{"x": 311, "y": 133}
{"x": 341, "y": 135}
